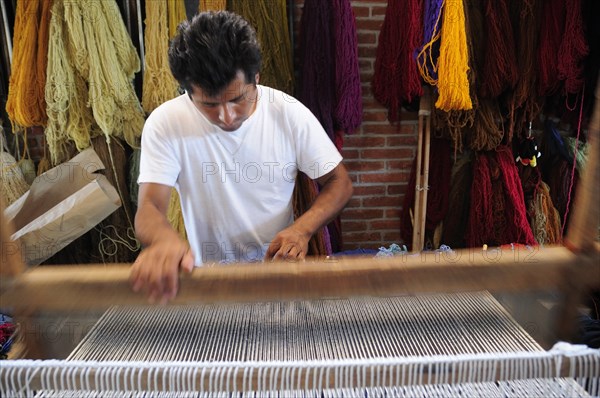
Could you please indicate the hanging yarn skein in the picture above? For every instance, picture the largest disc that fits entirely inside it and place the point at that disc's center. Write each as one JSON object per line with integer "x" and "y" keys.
{"x": 427, "y": 59}
{"x": 499, "y": 72}
{"x": 212, "y": 5}
{"x": 176, "y": 14}
{"x": 12, "y": 179}
{"x": 114, "y": 103}
{"x": 316, "y": 67}
{"x": 498, "y": 214}
{"x": 551, "y": 32}
{"x": 347, "y": 113}
{"x": 486, "y": 130}
{"x": 573, "y": 49}
{"x": 396, "y": 77}
{"x": 271, "y": 24}
{"x": 544, "y": 218}
{"x": 25, "y": 104}
{"x": 158, "y": 85}
{"x": 453, "y": 82}
{"x": 69, "y": 117}
{"x": 524, "y": 105}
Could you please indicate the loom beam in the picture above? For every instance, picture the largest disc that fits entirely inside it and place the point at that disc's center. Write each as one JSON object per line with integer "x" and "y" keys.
{"x": 97, "y": 287}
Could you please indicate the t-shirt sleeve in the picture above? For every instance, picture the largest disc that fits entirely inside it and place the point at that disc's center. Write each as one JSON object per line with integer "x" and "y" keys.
{"x": 315, "y": 152}
{"x": 158, "y": 161}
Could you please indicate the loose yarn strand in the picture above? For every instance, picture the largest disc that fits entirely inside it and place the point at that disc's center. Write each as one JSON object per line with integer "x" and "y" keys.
{"x": 573, "y": 167}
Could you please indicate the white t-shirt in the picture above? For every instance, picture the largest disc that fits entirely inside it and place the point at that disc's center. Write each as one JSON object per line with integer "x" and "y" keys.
{"x": 235, "y": 187}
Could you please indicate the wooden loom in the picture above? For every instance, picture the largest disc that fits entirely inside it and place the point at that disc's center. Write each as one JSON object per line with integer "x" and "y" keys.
{"x": 572, "y": 270}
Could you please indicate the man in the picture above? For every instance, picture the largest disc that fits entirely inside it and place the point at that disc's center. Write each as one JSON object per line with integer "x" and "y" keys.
{"x": 232, "y": 149}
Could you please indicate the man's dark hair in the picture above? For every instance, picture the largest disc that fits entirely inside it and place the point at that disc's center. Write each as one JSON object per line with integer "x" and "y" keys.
{"x": 209, "y": 50}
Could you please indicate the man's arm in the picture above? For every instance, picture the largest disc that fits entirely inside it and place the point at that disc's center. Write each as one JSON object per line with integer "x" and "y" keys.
{"x": 156, "y": 270}
{"x": 292, "y": 242}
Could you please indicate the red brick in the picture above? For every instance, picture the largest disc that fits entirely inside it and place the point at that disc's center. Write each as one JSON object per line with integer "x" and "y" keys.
{"x": 401, "y": 140}
{"x": 393, "y": 213}
{"x": 361, "y": 11}
{"x": 399, "y": 165}
{"x": 365, "y": 65}
{"x": 368, "y": 24}
{"x": 366, "y": 37}
{"x": 354, "y": 203}
{"x": 362, "y": 237}
{"x": 393, "y": 237}
{"x": 350, "y": 153}
{"x": 371, "y": 104}
{"x": 365, "y": 190}
{"x": 374, "y": 116}
{"x": 357, "y": 166}
{"x": 382, "y": 201}
{"x": 378, "y": 11}
{"x": 387, "y": 153}
{"x": 351, "y": 226}
{"x": 362, "y": 214}
{"x": 382, "y": 128}
{"x": 364, "y": 141}
{"x": 381, "y": 177}
{"x": 385, "y": 224}
{"x": 395, "y": 189}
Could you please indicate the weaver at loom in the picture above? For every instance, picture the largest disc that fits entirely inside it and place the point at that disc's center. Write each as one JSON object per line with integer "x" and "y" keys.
{"x": 235, "y": 170}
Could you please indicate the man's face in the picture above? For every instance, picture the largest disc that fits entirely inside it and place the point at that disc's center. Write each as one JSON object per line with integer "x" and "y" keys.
{"x": 229, "y": 109}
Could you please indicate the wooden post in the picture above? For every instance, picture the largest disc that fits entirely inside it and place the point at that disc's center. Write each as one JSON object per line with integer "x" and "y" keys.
{"x": 422, "y": 172}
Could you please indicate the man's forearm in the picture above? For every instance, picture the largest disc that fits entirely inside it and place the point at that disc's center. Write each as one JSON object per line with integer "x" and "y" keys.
{"x": 151, "y": 224}
{"x": 334, "y": 195}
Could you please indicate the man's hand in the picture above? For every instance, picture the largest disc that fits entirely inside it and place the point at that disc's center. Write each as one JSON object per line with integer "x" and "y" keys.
{"x": 288, "y": 244}
{"x": 156, "y": 270}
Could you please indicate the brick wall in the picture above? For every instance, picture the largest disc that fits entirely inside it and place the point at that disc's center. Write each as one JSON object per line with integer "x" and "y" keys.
{"x": 378, "y": 155}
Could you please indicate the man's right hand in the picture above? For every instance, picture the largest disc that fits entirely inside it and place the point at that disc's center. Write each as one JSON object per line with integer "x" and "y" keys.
{"x": 156, "y": 269}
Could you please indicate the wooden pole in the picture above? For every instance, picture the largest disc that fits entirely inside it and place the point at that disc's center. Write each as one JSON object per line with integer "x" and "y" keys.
{"x": 422, "y": 172}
